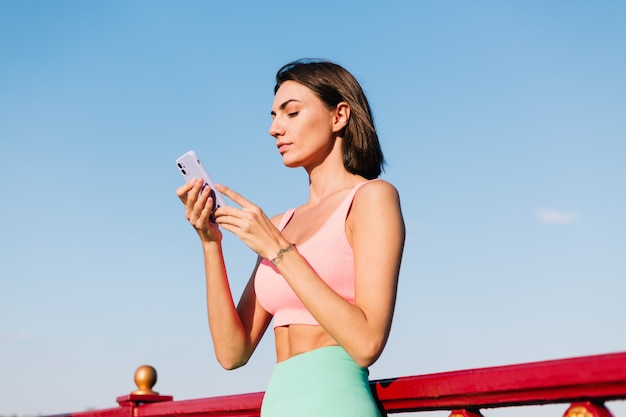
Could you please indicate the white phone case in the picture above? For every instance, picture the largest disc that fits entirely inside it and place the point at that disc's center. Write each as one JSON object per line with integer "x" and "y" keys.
{"x": 191, "y": 167}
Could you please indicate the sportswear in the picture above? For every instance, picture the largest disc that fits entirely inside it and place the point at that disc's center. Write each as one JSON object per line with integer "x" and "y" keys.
{"x": 328, "y": 252}
{"x": 324, "y": 382}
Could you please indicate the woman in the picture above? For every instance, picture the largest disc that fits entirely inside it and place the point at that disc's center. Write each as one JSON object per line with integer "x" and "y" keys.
{"x": 327, "y": 271}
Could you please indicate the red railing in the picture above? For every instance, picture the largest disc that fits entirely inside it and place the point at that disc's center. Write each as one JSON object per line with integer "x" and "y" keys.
{"x": 585, "y": 383}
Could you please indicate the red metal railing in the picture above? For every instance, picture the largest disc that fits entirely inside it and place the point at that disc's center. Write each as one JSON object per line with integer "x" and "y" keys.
{"x": 586, "y": 383}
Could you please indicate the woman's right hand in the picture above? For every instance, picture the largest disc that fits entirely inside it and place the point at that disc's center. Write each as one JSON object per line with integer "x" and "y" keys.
{"x": 198, "y": 209}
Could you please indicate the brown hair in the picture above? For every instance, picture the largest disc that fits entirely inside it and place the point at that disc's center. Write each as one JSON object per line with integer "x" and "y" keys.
{"x": 362, "y": 154}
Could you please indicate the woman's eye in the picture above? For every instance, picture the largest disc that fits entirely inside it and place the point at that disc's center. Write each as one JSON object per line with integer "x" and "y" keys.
{"x": 292, "y": 114}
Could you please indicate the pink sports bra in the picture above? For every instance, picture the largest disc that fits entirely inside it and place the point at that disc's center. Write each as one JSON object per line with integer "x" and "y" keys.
{"x": 328, "y": 252}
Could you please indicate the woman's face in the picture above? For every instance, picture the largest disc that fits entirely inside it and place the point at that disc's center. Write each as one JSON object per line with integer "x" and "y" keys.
{"x": 302, "y": 125}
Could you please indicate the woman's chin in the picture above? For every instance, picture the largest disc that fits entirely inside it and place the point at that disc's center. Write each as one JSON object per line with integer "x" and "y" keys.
{"x": 291, "y": 162}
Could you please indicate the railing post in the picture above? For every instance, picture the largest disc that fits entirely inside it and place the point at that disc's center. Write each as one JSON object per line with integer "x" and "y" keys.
{"x": 587, "y": 409}
{"x": 145, "y": 379}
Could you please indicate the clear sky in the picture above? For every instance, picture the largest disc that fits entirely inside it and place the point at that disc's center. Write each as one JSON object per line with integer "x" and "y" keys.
{"x": 503, "y": 124}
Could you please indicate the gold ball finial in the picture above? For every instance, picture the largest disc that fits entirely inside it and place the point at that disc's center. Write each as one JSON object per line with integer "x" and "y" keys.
{"x": 145, "y": 379}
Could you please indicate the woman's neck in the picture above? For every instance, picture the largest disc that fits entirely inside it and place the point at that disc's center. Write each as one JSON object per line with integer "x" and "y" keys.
{"x": 325, "y": 182}
{"x": 329, "y": 176}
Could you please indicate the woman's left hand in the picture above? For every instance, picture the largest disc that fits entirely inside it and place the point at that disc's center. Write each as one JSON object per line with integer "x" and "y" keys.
{"x": 250, "y": 224}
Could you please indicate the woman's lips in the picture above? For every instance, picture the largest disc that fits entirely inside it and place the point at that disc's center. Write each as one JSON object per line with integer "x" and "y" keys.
{"x": 282, "y": 147}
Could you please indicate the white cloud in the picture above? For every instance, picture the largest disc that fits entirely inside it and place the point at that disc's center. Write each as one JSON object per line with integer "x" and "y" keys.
{"x": 556, "y": 216}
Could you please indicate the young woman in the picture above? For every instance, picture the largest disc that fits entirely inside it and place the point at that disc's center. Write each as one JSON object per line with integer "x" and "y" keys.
{"x": 327, "y": 270}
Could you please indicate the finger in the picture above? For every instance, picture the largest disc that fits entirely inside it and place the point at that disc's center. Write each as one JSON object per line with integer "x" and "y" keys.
{"x": 201, "y": 212}
{"x": 194, "y": 192}
{"x": 207, "y": 211}
{"x": 182, "y": 191}
{"x": 202, "y": 201}
{"x": 190, "y": 198}
{"x": 228, "y": 222}
{"x": 236, "y": 197}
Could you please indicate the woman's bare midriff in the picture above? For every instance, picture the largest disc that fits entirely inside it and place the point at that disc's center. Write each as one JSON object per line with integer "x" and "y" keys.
{"x": 300, "y": 338}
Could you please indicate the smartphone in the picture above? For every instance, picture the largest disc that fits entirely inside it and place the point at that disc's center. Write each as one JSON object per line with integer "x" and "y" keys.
{"x": 190, "y": 167}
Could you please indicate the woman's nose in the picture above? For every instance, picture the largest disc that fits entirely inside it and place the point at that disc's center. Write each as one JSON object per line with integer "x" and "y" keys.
{"x": 276, "y": 128}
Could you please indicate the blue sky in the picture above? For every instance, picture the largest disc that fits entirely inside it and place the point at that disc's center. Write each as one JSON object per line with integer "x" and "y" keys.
{"x": 503, "y": 127}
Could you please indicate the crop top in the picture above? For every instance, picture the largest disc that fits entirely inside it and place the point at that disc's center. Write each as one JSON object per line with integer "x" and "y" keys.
{"x": 328, "y": 252}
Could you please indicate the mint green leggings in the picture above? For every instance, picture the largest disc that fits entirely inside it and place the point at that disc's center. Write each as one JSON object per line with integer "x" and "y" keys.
{"x": 325, "y": 382}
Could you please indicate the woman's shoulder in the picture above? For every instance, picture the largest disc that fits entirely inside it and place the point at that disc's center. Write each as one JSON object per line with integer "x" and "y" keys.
{"x": 376, "y": 204}
{"x": 376, "y": 197}
{"x": 377, "y": 189}
{"x": 278, "y": 219}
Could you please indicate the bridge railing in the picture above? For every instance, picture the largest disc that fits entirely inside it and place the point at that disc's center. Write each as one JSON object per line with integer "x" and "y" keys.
{"x": 586, "y": 384}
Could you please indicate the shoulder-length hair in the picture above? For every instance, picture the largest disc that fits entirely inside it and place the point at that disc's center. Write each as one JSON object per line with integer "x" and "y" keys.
{"x": 333, "y": 84}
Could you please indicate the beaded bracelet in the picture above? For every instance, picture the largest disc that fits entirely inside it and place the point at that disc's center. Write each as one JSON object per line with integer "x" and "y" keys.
{"x": 280, "y": 254}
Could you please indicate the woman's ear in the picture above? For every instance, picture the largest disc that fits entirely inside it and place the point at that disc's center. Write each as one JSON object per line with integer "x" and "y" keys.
{"x": 341, "y": 116}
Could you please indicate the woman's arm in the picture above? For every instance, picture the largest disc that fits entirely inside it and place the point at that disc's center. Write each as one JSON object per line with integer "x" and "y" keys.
{"x": 235, "y": 331}
{"x": 376, "y": 231}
